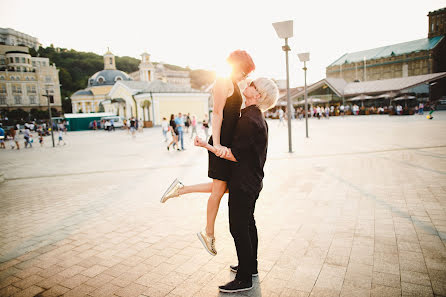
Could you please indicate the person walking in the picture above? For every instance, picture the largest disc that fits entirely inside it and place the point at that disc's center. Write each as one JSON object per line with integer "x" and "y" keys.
{"x": 132, "y": 126}
{"x": 26, "y": 137}
{"x": 180, "y": 126}
{"x": 421, "y": 108}
{"x": 61, "y": 138}
{"x": 281, "y": 115}
{"x": 206, "y": 126}
{"x": 164, "y": 128}
{"x": 2, "y": 137}
{"x": 174, "y": 133}
{"x": 14, "y": 138}
{"x": 187, "y": 122}
{"x": 193, "y": 123}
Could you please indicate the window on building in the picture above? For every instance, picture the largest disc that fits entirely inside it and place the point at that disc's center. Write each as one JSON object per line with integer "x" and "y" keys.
{"x": 11, "y": 60}
{"x": 118, "y": 78}
{"x": 3, "y": 89}
{"x": 27, "y": 78}
{"x": 2, "y": 77}
{"x": 2, "y": 61}
{"x": 2, "y": 99}
{"x": 34, "y": 63}
{"x": 101, "y": 80}
{"x": 32, "y": 99}
{"x": 47, "y": 78}
{"x": 33, "y": 89}
{"x": 17, "y": 60}
{"x": 44, "y": 64}
{"x": 111, "y": 61}
{"x": 17, "y": 99}
{"x": 12, "y": 78}
{"x": 23, "y": 60}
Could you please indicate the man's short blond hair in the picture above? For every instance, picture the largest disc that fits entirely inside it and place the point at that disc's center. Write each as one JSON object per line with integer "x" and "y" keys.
{"x": 269, "y": 93}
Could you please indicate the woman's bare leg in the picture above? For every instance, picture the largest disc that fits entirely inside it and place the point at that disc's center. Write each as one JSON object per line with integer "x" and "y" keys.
{"x": 200, "y": 188}
{"x": 218, "y": 189}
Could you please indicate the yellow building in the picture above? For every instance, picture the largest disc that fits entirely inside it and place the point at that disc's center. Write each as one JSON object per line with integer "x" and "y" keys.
{"x": 24, "y": 80}
{"x": 99, "y": 85}
{"x": 151, "y": 101}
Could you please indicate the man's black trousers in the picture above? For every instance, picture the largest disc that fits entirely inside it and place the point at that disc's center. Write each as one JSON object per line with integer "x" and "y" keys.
{"x": 243, "y": 229}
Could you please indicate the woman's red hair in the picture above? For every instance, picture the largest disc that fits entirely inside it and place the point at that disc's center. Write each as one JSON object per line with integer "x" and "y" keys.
{"x": 242, "y": 60}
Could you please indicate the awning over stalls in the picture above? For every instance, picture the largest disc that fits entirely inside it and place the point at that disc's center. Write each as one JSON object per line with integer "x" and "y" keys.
{"x": 385, "y": 88}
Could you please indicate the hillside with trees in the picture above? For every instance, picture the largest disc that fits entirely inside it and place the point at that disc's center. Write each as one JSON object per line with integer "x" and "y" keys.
{"x": 76, "y": 67}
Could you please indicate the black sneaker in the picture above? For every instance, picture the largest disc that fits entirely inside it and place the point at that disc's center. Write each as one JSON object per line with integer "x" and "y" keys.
{"x": 234, "y": 269}
{"x": 236, "y": 286}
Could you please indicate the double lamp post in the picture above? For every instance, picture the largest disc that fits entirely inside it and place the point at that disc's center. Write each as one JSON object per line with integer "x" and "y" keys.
{"x": 284, "y": 30}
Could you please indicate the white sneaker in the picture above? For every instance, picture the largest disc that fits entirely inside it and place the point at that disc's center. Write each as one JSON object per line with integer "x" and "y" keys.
{"x": 208, "y": 242}
{"x": 173, "y": 191}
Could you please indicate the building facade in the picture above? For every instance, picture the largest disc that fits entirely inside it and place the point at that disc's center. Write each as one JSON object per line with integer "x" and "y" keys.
{"x": 24, "y": 80}
{"x": 99, "y": 85}
{"x": 413, "y": 58}
{"x": 417, "y": 57}
{"x": 10, "y": 36}
{"x": 437, "y": 23}
{"x": 149, "y": 72}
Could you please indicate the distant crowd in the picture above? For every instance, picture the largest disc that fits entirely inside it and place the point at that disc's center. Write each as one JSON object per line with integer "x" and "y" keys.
{"x": 14, "y": 134}
{"x": 174, "y": 129}
{"x": 321, "y": 111}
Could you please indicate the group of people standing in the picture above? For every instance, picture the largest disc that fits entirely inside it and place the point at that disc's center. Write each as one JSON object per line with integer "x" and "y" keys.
{"x": 180, "y": 124}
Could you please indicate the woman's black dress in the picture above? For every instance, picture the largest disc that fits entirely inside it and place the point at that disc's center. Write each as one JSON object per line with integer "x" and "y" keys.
{"x": 220, "y": 168}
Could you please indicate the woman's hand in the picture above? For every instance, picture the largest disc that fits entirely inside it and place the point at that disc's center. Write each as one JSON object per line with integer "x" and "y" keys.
{"x": 199, "y": 142}
{"x": 222, "y": 151}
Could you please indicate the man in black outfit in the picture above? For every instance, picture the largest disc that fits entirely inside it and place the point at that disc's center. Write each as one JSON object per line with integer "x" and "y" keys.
{"x": 248, "y": 152}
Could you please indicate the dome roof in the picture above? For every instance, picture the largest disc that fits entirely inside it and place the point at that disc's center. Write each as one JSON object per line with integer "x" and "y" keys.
{"x": 107, "y": 77}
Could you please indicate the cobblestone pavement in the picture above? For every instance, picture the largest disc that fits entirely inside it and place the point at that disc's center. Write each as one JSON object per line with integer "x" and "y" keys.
{"x": 359, "y": 209}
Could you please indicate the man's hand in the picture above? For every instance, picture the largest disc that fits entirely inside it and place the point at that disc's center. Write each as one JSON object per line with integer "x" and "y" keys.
{"x": 199, "y": 142}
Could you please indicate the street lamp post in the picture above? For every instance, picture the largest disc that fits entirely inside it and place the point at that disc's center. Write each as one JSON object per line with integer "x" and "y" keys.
{"x": 47, "y": 95}
{"x": 305, "y": 57}
{"x": 285, "y": 30}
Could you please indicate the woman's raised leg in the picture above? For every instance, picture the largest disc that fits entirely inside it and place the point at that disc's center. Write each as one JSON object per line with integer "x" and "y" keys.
{"x": 218, "y": 189}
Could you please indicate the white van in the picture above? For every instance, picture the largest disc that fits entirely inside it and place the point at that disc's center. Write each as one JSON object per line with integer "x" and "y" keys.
{"x": 118, "y": 122}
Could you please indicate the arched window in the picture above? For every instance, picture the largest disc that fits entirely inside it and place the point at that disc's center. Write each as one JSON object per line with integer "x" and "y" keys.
{"x": 101, "y": 80}
{"x": 118, "y": 78}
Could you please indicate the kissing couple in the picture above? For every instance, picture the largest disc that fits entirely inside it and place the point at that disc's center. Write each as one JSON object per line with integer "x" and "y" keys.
{"x": 237, "y": 153}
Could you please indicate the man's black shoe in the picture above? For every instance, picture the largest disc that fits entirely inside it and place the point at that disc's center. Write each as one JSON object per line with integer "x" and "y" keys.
{"x": 236, "y": 286}
{"x": 234, "y": 269}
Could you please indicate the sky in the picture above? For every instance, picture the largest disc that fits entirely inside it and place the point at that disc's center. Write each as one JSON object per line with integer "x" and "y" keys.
{"x": 201, "y": 33}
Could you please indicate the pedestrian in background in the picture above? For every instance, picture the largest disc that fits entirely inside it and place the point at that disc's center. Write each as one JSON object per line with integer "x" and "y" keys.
{"x": 173, "y": 131}
{"x": 165, "y": 128}
{"x": 193, "y": 124}
{"x": 206, "y": 127}
{"x": 132, "y": 126}
{"x": 187, "y": 122}
{"x": 180, "y": 126}
{"x": 14, "y": 137}
{"x": 60, "y": 138}
{"x": 2, "y": 137}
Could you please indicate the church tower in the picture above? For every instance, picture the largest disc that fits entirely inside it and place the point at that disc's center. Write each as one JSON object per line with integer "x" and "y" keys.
{"x": 109, "y": 61}
{"x": 146, "y": 69}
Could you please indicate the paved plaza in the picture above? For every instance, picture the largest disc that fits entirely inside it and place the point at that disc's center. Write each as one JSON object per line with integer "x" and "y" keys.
{"x": 359, "y": 209}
